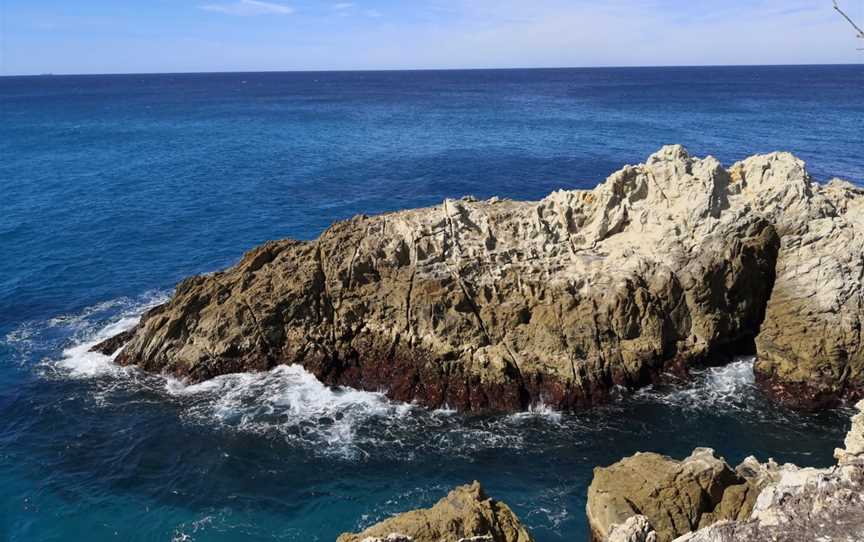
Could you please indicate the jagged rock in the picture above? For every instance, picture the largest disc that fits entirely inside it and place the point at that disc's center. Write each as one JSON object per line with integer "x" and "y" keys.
{"x": 466, "y": 514}
{"x": 635, "y": 529}
{"x": 805, "y": 504}
{"x": 113, "y": 344}
{"x": 811, "y": 347}
{"x": 676, "y": 497}
{"x": 493, "y": 304}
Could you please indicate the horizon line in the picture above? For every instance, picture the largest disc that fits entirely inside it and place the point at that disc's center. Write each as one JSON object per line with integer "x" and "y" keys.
{"x": 394, "y": 70}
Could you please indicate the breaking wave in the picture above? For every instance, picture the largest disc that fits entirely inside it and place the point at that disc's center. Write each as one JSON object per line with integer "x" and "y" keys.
{"x": 729, "y": 387}
{"x": 290, "y": 401}
{"x": 73, "y": 335}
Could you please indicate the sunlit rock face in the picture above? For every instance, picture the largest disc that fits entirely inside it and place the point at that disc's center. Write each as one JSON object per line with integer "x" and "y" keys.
{"x": 498, "y": 305}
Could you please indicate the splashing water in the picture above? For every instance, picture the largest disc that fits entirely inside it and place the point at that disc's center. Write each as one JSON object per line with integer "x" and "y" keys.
{"x": 731, "y": 386}
{"x": 291, "y": 401}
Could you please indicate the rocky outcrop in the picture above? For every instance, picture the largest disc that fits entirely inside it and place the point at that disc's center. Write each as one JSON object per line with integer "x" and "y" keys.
{"x": 675, "y": 497}
{"x": 794, "y": 504}
{"x": 466, "y": 514}
{"x": 811, "y": 346}
{"x": 500, "y": 304}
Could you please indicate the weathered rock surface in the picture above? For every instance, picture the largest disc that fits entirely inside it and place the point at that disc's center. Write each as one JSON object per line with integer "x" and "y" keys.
{"x": 501, "y": 304}
{"x": 794, "y": 504}
{"x": 811, "y": 347}
{"x": 676, "y": 497}
{"x": 465, "y": 514}
{"x": 635, "y": 529}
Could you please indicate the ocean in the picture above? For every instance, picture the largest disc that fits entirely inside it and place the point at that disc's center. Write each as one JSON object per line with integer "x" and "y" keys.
{"x": 114, "y": 188}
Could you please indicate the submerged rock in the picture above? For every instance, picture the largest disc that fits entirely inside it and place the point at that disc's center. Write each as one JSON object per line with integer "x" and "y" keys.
{"x": 794, "y": 504}
{"x": 466, "y": 514}
{"x": 674, "y": 497}
{"x": 500, "y": 304}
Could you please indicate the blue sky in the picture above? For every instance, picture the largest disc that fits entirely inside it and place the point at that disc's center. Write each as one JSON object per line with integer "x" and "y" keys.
{"x": 122, "y": 36}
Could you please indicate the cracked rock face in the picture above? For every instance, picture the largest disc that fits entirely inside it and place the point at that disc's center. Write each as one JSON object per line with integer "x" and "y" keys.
{"x": 673, "y": 497}
{"x": 496, "y": 305}
{"x": 466, "y": 514}
{"x": 811, "y": 347}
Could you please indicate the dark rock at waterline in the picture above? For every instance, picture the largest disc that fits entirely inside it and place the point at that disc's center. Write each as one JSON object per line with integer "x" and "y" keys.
{"x": 496, "y": 305}
{"x": 111, "y": 345}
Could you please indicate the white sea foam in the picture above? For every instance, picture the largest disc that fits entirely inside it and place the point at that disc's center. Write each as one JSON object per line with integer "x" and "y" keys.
{"x": 77, "y": 360}
{"x": 539, "y": 410}
{"x": 727, "y": 387}
{"x": 81, "y": 362}
{"x": 290, "y": 401}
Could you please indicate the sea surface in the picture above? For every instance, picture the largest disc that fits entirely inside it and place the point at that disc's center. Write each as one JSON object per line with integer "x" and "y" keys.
{"x": 113, "y": 188}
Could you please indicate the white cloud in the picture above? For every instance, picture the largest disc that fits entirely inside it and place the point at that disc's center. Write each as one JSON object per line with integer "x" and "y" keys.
{"x": 250, "y": 7}
{"x": 341, "y": 6}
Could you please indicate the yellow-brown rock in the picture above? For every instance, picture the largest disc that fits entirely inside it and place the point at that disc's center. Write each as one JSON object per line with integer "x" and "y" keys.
{"x": 676, "y": 497}
{"x": 466, "y": 513}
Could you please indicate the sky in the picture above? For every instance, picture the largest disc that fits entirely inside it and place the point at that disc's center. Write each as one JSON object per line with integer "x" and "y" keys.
{"x": 135, "y": 36}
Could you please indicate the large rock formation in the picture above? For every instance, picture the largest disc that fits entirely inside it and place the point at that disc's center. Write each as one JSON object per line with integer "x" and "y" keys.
{"x": 501, "y": 304}
{"x": 794, "y": 504}
{"x": 675, "y": 497}
{"x": 465, "y": 514}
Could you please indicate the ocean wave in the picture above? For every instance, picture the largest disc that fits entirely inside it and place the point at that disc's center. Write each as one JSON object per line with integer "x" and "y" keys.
{"x": 286, "y": 402}
{"x": 290, "y": 401}
{"x": 72, "y": 335}
{"x": 539, "y": 410}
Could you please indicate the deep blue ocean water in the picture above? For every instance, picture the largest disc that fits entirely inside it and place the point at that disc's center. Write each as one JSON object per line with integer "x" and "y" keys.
{"x": 113, "y": 188}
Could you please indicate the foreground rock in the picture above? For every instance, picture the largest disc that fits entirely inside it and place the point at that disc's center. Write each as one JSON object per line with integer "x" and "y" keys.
{"x": 501, "y": 304}
{"x": 652, "y": 498}
{"x": 466, "y": 514}
{"x": 676, "y": 497}
{"x": 794, "y": 504}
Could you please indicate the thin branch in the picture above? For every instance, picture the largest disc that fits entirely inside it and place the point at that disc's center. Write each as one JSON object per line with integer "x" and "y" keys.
{"x": 855, "y": 26}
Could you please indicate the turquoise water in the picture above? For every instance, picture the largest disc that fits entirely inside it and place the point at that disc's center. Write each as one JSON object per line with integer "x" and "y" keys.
{"x": 114, "y": 188}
